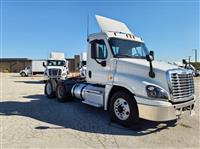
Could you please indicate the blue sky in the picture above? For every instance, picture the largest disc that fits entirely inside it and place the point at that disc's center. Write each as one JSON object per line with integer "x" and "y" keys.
{"x": 33, "y": 28}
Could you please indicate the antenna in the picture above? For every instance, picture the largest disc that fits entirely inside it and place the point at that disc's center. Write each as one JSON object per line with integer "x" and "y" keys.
{"x": 87, "y": 26}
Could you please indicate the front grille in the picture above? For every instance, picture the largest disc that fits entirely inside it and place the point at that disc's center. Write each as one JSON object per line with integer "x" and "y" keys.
{"x": 54, "y": 72}
{"x": 182, "y": 85}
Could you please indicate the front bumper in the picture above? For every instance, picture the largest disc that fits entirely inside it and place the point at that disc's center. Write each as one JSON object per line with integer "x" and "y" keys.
{"x": 164, "y": 111}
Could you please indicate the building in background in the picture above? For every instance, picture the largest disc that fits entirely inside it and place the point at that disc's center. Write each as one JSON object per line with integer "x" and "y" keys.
{"x": 17, "y": 64}
{"x": 13, "y": 64}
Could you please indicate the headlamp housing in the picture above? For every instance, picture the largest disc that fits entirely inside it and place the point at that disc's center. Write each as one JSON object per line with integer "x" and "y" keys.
{"x": 156, "y": 92}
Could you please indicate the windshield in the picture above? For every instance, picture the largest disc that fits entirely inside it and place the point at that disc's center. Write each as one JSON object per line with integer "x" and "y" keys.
{"x": 28, "y": 67}
{"x": 128, "y": 48}
{"x": 55, "y": 63}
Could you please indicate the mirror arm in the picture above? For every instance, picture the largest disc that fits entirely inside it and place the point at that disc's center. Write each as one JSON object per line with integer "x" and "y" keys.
{"x": 97, "y": 61}
{"x": 151, "y": 72}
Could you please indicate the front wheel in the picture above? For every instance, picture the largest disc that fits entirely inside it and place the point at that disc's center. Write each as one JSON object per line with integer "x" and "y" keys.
{"x": 23, "y": 74}
{"x": 49, "y": 89}
{"x": 123, "y": 108}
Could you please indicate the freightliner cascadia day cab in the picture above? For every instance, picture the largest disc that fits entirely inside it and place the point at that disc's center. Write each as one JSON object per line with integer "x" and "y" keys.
{"x": 36, "y": 67}
{"x": 56, "y": 66}
{"x": 123, "y": 77}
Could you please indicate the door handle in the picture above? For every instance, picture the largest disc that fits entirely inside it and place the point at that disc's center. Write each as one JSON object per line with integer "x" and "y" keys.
{"x": 90, "y": 74}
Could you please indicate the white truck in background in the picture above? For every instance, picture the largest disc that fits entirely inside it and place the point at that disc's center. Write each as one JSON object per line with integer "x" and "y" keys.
{"x": 36, "y": 67}
{"x": 82, "y": 66}
{"x": 187, "y": 65}
{"x": 56, "y": 66}
{"x": 123, "y": 78}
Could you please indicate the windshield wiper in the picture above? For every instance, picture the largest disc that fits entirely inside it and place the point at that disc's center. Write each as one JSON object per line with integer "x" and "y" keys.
{"x": 122, "y": 56}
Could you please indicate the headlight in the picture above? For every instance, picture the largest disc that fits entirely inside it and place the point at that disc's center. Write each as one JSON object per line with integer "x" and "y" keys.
{"x": 156, "y": 92}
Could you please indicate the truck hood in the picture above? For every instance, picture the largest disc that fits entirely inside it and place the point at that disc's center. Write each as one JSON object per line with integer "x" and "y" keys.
{"x": 138, "y": 69}
{"x": 157, "y": 65}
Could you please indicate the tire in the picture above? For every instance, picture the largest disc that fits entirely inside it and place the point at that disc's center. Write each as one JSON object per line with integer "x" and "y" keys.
{"x": 49, "y": 90}
{"x": 123, "y": 109}
{"x": 63, "y": 93}
{"x": 23, "y": 74}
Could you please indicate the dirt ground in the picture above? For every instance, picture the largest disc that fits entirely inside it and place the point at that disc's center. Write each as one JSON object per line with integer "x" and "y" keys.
{"x": 30, "y": 120}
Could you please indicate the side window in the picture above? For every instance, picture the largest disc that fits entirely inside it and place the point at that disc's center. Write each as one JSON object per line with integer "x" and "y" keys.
{"x": 115, "y": 50}
{"x": 98, "y": 49}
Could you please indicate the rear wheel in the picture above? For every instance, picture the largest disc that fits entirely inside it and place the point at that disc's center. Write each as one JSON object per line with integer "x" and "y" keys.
{"x": 63, "y": 92}
{"x": 49, "y": 89}
{"x": 123, "y": 108}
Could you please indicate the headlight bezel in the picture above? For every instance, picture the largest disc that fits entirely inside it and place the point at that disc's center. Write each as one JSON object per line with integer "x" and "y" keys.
{"x": 156, "y": 92}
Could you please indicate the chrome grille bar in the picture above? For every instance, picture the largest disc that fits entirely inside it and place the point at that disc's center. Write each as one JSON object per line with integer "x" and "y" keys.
{"x": 182, "y": 85}
{"x": 54, "y": 72}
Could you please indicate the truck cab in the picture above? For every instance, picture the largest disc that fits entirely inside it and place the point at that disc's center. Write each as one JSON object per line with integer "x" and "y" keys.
{"x": 56, "y": 66}
{"x": 26, "y": 71}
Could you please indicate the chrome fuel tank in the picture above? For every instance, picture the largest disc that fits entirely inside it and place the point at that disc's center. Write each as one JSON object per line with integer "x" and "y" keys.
{"x": 90, "y": 94}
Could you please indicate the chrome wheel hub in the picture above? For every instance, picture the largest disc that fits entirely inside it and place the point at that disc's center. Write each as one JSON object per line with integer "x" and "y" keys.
{"x": 121, "y": 109}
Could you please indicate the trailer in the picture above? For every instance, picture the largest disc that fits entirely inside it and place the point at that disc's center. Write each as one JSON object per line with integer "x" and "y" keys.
{"x": 123, "y": 78}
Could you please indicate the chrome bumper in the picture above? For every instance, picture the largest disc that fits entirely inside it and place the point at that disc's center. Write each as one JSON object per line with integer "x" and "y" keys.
{"x": 165, "y": 113}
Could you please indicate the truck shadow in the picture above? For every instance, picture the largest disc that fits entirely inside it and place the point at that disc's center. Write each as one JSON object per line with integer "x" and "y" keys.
{"x": 31, "y": 82}
{"x": 75, "y": 115}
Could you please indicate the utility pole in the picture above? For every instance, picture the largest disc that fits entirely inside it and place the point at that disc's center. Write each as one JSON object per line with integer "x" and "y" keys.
{"x": 195, "y": 54}
{"x": 88, "y": 17}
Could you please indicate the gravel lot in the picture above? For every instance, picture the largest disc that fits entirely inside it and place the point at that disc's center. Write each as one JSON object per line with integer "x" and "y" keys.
{"x": 30, "y": 120}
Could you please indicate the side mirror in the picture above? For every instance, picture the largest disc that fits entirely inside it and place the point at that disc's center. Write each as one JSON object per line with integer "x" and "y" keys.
{"x": 151, "y": 53}
{"x": 150, "y": 56}
{"x": 184, "y": 61}
{"x": 103, "y": 63}
{"x": 44, "y": 65}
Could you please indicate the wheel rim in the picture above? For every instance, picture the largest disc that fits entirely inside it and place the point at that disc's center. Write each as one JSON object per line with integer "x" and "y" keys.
{"x": 60, "y": 92}
{"x": 49, "y": 88}
{"x": 121, "y": 109}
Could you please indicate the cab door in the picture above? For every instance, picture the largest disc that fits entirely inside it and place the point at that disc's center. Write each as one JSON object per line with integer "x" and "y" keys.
{"x": 98, "y": 65}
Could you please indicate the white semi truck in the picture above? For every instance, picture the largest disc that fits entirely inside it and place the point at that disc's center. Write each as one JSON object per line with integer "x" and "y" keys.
{"x": 56, "y": 66}
{"x": 123, "y": 77}
{"x": 36, "y": 67}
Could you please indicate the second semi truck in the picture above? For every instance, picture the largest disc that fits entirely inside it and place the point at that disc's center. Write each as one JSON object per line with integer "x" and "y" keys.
{"x": 56, "y": 66}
